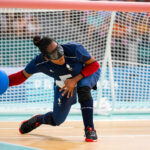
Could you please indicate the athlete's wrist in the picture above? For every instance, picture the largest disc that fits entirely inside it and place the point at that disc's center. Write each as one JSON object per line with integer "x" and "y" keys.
{"x": 78, "y": 78}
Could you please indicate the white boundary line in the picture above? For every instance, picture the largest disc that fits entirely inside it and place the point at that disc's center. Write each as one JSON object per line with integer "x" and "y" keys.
{"x": 103, "y": 136}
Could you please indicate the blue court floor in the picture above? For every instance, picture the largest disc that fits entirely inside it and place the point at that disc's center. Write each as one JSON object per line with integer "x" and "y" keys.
{"x": 7, "y": 146}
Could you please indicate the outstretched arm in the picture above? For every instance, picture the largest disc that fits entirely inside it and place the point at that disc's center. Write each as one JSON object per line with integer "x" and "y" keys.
{"x": 18, "y": 78}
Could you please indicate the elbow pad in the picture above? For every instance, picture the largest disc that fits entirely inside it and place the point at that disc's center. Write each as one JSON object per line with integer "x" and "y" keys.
{"x": 16, "y": 78}
{"x": 90, "y": 69}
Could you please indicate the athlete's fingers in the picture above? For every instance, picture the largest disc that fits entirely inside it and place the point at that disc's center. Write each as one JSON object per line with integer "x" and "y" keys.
{"x": 71, "y": 93}
{"x": 68, "y": 95}
{"x": 62, "y": 88}
{"x": 66, "y": 90}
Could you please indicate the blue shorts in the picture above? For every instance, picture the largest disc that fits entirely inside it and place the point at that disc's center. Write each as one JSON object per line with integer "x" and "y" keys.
{"x": 91, "y": 80}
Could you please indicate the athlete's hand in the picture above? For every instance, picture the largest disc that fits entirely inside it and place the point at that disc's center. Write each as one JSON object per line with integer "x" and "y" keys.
{"x": 69, "y": 87}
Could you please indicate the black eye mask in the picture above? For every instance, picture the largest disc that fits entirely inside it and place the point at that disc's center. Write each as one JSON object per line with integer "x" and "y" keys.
{"x": 55, "y": 54}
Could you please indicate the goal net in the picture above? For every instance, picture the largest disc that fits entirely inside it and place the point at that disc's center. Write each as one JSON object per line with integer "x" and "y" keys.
{"x": 120, "y": 41}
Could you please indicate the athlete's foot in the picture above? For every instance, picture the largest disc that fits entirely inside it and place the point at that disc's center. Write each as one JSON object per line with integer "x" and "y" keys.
{"x": 90, "y": 135}
{"x": 29, "y": 125}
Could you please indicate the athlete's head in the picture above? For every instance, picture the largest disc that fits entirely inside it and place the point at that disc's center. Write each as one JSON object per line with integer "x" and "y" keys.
{"x": 50, "y": 49}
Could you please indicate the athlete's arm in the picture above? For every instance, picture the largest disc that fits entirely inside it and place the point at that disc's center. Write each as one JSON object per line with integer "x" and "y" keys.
{"x": 90, "y": 60}
{"x": 23, "y": 75}
{"x": 27, "y": 75}
{"x": 87, "y": 70}
{"x": 91, "y": 66}
{"x": 18, "y": 78}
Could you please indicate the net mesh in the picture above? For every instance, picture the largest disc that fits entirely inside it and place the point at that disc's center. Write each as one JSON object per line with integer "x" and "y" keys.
{"x": 130, "y": 59}
{"x": 130, "y": 56}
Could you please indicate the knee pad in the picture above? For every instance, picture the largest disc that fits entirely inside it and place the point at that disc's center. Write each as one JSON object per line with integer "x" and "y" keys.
{"x": 84, "y": 94}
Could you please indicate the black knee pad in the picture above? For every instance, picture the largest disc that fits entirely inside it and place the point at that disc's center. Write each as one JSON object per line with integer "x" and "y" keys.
{"x": 84, "y": 94}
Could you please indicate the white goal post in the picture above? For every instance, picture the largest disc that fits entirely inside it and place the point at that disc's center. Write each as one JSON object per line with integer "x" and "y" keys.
{"x": 117, "y": 34}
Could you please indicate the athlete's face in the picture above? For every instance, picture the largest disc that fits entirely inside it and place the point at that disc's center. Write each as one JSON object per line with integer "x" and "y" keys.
{"x": 52, "y": 50}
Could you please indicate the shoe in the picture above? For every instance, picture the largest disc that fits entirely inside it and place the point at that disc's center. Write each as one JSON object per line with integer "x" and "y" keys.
{"x": 29, "y": 125}
{"x": 90, "y": 135}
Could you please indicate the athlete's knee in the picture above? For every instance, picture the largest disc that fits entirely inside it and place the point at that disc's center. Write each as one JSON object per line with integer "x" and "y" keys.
{"x": 50, "y": 120}
{"x": 58, "y": 122}
{"x": 84, "y": 94}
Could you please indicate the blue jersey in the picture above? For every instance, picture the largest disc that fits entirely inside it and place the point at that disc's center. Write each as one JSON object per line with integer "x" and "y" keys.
{"x": 75, "y": 56}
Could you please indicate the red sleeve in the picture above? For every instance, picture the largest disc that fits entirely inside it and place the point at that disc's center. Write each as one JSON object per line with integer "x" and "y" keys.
{"x": 16, "y": 78}
{"x": 90, "y": 69}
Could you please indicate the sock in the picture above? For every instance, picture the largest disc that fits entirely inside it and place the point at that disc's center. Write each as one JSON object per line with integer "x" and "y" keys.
{"x": 43, "y": 119}
{"x": 87, "y": 113}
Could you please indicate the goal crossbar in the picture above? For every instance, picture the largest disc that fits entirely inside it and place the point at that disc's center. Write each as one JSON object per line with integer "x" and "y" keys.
{"x": 77, "y": 5}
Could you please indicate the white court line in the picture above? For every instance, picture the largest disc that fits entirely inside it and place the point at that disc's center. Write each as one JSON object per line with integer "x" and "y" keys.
{"x": 105, "y": 136}
{"x": 110, "y": 136}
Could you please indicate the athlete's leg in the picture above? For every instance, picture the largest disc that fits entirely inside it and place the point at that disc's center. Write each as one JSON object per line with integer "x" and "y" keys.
{"x": 86, "y": 102}
{"x": 62, "y": 106}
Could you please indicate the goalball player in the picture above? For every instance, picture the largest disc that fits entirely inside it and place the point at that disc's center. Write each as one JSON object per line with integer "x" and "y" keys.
{"x": 75, "y": 72}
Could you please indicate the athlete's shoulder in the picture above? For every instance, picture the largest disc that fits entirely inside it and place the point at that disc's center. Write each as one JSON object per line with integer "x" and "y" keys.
{"x": 38, "y": 59}
{"x": 72, "y": 44}
{"x": 77, "y": 50}
{"x": 71, "y": 48}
